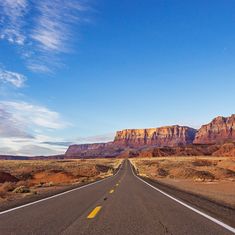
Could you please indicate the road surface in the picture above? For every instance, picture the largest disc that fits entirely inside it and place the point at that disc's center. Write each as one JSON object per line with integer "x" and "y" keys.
{"x": 122, "y": 204}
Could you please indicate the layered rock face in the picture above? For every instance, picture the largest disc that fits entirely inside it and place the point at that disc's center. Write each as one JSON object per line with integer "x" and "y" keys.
{"x": 165, "y": 141}
{"x": 163, "y": 136}
{"x": 92, "y": 150}
{"x": 221, "y": 129}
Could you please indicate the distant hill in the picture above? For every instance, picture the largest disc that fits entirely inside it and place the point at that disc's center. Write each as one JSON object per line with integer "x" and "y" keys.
{"x": 12, "y": 157}
{"x": 219, "y": 130}
{"x": 164, "y": 141}
{"x": 216, "y": 138}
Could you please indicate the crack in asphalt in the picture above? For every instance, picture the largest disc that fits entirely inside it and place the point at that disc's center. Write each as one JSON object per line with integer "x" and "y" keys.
{"x": 166, "y": 231}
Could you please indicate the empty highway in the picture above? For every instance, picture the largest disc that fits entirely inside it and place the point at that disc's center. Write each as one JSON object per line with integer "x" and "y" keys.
{"x": 122, "y": 204}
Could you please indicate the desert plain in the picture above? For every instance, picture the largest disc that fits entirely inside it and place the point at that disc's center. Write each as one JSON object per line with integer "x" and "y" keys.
{"x": 210, "y": 177}
{"x": 25, "y": 180}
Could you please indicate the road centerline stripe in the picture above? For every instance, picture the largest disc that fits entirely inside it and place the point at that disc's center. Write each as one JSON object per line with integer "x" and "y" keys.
{"x": 94, "y": 212}
{"x": 111, "y": 191}
{"x": 59, "y": 194}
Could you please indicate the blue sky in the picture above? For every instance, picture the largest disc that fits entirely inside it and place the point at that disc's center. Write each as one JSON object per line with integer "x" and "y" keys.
{"x": 76, "y": 71}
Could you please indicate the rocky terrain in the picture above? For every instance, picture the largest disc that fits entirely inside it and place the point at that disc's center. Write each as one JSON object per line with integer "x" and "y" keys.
{"x": 163, "y": 136}
{"x": 219, "y": 130}
{"x": 93, "y": 150}
{"x": 216, "y": 138}
{"x": 212, "y": 177}
{"x": 27, "y": 178}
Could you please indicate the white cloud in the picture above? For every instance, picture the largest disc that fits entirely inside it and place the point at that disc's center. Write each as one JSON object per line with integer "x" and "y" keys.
{"x": 23, "y": 127}
{"x": 96, "y": 139}
{"x": 12, "y": 19}
{"x": 43, "y": 29}
{"x": 34, "y": 115}
{"x": 41, "y": 68}
{"x": 10, "y": 126}
{"x": 15, "y": 79}
{"x": 35, "y": 150}
{"x": 53, "y": 26}
{"x": 28, "y": 147}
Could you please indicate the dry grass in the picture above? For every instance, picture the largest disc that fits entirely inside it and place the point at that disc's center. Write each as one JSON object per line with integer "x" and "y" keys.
{"x": 25, "y": 177}
{"x": 209, "y": 176}
{"x": 211, "y": 168}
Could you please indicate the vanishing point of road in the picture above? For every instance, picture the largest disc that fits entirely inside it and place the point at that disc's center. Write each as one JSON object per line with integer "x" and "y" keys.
{"x": 121, "y": 205}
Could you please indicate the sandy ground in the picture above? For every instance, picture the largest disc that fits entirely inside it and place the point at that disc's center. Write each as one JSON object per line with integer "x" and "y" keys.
{"x": 25, "y": 179}
{"x": 212, "y": 177}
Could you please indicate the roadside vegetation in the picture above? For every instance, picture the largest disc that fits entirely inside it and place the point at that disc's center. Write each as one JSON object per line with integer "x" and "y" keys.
{"x": 213, "y": 177}
{"x": 20, "y": 179}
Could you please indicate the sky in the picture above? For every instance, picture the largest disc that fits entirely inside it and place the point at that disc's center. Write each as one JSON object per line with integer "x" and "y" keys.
{"x": 76, "y": 71}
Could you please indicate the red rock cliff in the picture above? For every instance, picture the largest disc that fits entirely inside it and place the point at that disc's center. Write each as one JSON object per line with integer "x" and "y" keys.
{"x": 221, "y": 129}
{"x": 163, "y": 136}
{"x": 92, "y": 150}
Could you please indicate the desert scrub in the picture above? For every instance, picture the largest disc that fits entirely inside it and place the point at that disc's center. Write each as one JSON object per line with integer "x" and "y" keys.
{"x": 21, "y": 189}
{"x": 162, "y": 172}
{"x": 6, "y": 187}
{"x": 200, "y": 162}
{"x": 203, "y": 176}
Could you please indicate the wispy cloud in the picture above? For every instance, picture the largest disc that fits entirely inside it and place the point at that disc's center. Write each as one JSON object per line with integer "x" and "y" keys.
{"x": 38, "y": 68}
{"x": 24, "y": 128}
{"x": 96, "y": 139}
{"x": 58, "y": 143}
{"x": 53, "y": 25}
{"x": 29, "y": 147}
{"x": 10, "y": 126}
{"x": 34, "y": 115}
{"x": 13, "y": 78}
{"x": 43, "y": 29}
{"x": 35, "y": 150}
{"x": 13, "y": 20}
{"x": 83, "y": 140}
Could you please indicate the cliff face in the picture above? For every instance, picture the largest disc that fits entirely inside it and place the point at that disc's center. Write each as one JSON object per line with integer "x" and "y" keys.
{"x": 163, "y": 136}
{"x": 219, "y": 130}
{"x": 92, "y": 150}
{"x": 164, "y": 141}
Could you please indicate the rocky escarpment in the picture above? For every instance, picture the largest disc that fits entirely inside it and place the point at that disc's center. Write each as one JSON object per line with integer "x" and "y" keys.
{"x": 93, "y": 150}
{"x": 165, "y": 141}
{"x": 163, "y": 136}
{"x": 220, "y": 130}
{"x": 135, "y": 138}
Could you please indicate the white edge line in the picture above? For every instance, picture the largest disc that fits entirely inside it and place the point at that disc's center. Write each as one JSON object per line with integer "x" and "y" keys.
{"x": 59, "y": 194}
{"x": 231, "y": 229}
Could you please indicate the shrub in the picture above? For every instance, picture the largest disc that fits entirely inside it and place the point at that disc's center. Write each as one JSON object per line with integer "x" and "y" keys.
{"x": 22, "y": 189}
{"x": 203, "y": 176}
{"x": 202, "y": 163}
{"x": 162, "y": 172}
{"x": 8, "y": 186}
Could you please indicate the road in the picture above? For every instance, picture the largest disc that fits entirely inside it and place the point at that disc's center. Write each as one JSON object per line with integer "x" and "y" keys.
{"x": 122, "y": 204}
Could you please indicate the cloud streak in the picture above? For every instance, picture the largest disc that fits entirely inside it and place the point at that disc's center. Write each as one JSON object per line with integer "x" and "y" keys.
{"x": 20, "y": 125}
{"x": 34, "y": 115}
{"x": 13, "y": 78}
{"x": 43, "y": 29}
{"x": 10, "y": 126}
{"x": 96, "y": 139}
{"x": 13, "y": 20}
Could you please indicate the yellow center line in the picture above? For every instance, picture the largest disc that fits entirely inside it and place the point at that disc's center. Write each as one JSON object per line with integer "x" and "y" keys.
{"x": 111, "y": 191}
{"x": 94, "y": 212}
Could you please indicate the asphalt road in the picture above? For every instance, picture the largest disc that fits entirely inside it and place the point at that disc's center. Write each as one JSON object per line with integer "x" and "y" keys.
{"x": 122, "y": 204}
